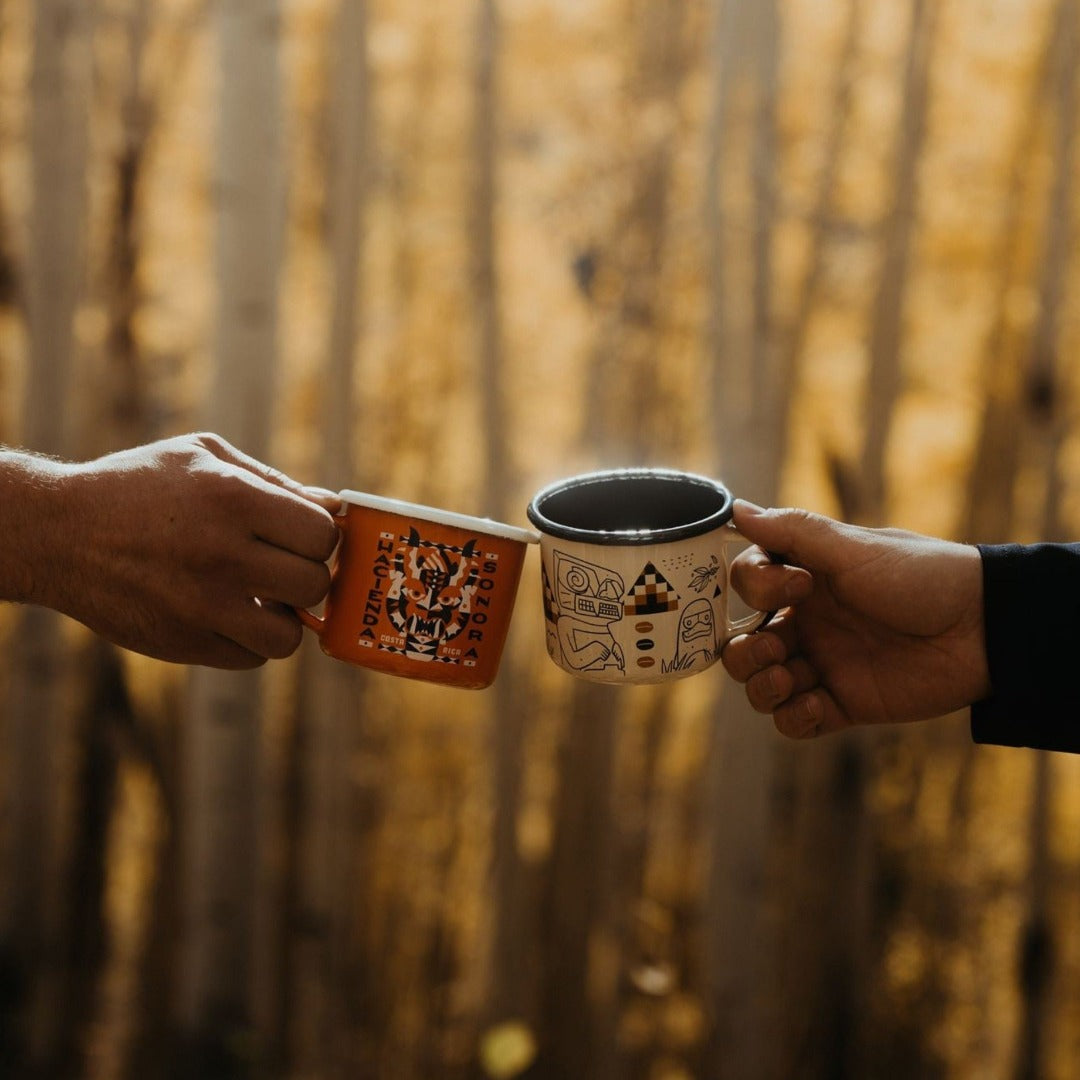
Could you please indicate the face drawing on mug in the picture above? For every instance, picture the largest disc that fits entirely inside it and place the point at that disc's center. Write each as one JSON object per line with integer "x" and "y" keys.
{"x": 695, "y": 645}
{"x": 430, "y": 595}
{"x": 588, "y": 599}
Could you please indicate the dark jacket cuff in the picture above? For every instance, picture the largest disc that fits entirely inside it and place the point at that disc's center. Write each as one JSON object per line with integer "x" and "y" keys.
{"x": 1031, "y": 604}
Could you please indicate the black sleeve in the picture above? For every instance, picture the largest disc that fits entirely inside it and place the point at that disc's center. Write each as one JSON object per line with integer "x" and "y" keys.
{"x": 1031, "y": 598}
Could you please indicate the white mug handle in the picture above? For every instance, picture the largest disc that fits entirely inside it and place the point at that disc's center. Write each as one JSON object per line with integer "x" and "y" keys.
{"x": 753, "y": 622}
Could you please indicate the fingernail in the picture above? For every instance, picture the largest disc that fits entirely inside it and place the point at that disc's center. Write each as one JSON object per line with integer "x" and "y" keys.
{"x": 809, "y": 713}
{"x": 320, "y": 492}
{"x": 761, "y": 651}
{"x": 773, "y": 682}
{"x": 749, "y": 508}
{"x": 794, "y": 589}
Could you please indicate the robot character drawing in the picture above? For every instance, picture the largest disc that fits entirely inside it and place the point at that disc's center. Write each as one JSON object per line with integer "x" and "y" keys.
{"x": 588, "y": 600}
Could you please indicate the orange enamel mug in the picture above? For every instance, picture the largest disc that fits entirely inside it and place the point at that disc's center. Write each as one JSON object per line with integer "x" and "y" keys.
{"x": 420, "y": 592}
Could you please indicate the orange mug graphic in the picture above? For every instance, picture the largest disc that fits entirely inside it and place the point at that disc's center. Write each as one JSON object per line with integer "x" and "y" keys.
{"x": 420, "y": 592}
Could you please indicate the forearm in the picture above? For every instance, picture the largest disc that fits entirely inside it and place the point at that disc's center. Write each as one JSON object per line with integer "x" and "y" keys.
{"x": 36, "y": 539}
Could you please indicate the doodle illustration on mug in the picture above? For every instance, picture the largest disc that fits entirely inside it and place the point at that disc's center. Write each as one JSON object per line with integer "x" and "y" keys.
{"x": 588, "y": 600}
{"x": 695, "y": 645}
{"x": 653, "y": 599}
{"x": 430, "y": 596}
{"x": 704, "y": 574}
{"x": 551, "y": 615}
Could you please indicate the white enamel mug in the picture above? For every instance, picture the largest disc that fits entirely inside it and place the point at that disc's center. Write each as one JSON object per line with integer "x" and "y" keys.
{"x": 635, "y": 573}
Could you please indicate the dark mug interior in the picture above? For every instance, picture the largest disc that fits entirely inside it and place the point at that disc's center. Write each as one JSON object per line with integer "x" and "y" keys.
{"x": 631, "y": 506}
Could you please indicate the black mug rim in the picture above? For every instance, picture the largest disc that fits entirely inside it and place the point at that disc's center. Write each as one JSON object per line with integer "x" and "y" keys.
{"x": 631, "y": 537}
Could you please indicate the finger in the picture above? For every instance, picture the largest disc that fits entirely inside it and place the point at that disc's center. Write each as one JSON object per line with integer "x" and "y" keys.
{"x": 809, "y": 714}
{"x": 225, "y": 451}
{"x": 227, "y": 655}
{"x": 769, "y": 689}
{"x": 267, "y": 630}
{"x": 766, "y": 585}
{"x": 750, "y": 653}
{"x": 209, "y": 649}
{"x": 284, "y": 577}
{"x": 799, "y": 536}
{"x": 294, "y": 525}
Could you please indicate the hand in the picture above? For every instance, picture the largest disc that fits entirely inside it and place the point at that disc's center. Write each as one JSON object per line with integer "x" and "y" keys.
{"x": 874, "y": 626}
{"x": 187, "y": 550}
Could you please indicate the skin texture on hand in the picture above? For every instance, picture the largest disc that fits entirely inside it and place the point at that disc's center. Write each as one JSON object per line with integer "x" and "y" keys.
{"x": 186, "y": 550}
{"x": 874, "y": 625}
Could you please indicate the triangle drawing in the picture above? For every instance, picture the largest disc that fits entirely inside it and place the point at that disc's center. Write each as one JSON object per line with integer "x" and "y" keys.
{"x": 651, "y": 594}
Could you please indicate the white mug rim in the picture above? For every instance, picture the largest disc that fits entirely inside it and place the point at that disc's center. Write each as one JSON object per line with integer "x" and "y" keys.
{"x": 438, "y": 516}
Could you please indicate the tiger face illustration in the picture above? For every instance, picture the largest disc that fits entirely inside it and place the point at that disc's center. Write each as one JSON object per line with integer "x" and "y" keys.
{"x": 430, "y": 595}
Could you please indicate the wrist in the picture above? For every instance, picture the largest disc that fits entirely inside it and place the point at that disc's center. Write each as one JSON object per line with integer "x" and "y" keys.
{"x": 37, "y": 546}
{"x": 979, "y": 666}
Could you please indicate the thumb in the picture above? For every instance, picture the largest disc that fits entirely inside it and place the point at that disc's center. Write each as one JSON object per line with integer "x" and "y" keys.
{"x": 800, "y": 537}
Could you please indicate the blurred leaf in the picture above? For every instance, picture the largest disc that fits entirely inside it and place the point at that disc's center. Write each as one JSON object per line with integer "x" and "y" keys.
{"x": 507, "y": 1050}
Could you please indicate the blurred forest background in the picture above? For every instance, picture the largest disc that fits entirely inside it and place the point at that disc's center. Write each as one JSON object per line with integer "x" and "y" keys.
{"x": 824, "y": 249}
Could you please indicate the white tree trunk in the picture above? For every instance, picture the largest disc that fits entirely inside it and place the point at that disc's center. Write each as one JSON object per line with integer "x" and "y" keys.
{"x": 40, "y": 772}
{"x": 331, "y": 692}
{"x": 750, "y": 419}
{"x": 220, "y": 828}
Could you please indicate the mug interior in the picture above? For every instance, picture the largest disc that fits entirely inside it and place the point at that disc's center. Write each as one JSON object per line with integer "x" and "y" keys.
{"x": 631, "y": 506}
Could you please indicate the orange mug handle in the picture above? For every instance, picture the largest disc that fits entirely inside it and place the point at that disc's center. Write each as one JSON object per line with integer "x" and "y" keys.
{"x": 309, "y": 618}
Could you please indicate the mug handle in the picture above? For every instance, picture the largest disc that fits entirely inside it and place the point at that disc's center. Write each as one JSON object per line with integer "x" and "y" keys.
{"x": 309, "y": 618}
{"x": 749, "y": 624}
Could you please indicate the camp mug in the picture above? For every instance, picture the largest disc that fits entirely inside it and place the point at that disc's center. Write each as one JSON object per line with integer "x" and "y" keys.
{"x": 635, "y": 573}
{"x": 420, "y": 592}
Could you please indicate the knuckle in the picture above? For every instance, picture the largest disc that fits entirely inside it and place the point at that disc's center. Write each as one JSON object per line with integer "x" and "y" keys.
{"x": 291, "y": 636}
{"x": 280, "y": 641}
{"x": 209, "y": 441}
{"x": 237, "y": 658}
{"x": 735, "y": 659}
{"x": 760, "y": 693}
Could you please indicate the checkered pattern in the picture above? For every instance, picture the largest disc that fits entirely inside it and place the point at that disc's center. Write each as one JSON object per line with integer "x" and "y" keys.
{"x": 651, "y": 594}
{"x": 550, "y": 607}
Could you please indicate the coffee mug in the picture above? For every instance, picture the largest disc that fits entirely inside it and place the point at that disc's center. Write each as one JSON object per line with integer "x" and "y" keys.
{"x": 420, "y": 592}
{"x": 635, "y": 573}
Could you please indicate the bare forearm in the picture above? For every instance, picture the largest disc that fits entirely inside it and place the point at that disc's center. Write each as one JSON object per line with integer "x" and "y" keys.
{"x": 36, "y": 542}
{"x": 184, "y": 549}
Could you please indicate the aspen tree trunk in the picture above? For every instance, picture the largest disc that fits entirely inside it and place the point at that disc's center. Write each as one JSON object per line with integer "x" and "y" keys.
{"x": 221, "y": 836}
{"x": 833, "y": 866}
{"x": 832, "y": 837}
{"x": 839, "y": 115}
{"x": 125, "y": 414}
{"x": 629, "y": 422}
{"x": 327, "y": 888}
{"x": 41, "y": 770}
{"x": 508, "y": 997}
{"x": 749, "y": 422}
{"x": 987, "y": 518}
{"x": 1048, "y": 425}
{"x": 580, "y": 880}
{"x": 886, "y": 332}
